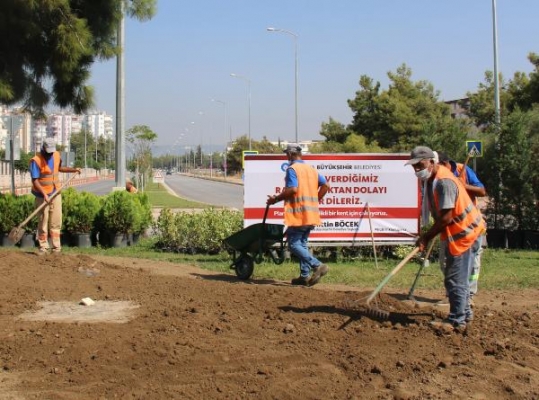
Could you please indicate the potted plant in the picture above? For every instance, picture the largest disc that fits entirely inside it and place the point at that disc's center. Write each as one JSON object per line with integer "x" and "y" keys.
{"x": 119, "y": 217}
{"x": 8, "y": 211}
{"x": 145, "y": 218}
{"x": 79, "y": 214}
{"x": 25, "y": 207}
{"x": 68, "y": 200}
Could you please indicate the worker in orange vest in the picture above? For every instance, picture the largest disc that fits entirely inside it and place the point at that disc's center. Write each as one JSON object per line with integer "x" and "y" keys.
{"x": 45, "y": 167}
{"x": 459, "y": 224}
{"x": 304, "y": 188}
{"x": 475, "y": 189}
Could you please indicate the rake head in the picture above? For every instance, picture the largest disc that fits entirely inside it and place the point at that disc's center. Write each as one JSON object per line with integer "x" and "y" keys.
{"x": 372, "y": 312}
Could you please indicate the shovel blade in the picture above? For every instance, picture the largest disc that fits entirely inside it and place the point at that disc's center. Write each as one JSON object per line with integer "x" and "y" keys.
{"x": 16, "y": 235}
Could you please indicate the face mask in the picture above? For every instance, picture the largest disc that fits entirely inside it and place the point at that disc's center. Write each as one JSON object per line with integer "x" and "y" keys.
{"x": 424, "y": 174}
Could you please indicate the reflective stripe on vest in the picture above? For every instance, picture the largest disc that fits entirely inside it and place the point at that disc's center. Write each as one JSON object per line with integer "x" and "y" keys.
{"x": 466, "y": 223}
{"x": 302, "y": 209}
{"x": 48, "y": 179}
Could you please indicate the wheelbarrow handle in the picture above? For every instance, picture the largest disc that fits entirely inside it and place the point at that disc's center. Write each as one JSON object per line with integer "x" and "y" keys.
{"x": 265, "y": 214}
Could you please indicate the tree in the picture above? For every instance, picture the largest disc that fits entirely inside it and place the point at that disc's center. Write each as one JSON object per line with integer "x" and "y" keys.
{"x": 334, "y": 131}
{"x": 235, "y": 155}
{"x": 517, "y": 163}
{"x": 142, "y": 137}
{"x": 397, "y": 118}
{"x": 49, "y": 47}
{"x": 481, "y": 103}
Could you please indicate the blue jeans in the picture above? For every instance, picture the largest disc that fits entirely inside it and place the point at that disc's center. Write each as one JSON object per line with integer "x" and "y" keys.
{"x": 457, "y": 272}
{"x": 298, "y": 237}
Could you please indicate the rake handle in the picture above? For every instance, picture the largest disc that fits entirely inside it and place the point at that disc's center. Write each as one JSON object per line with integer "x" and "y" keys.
{"x": 393, "y": 272}
{"x": 423, "y": 265}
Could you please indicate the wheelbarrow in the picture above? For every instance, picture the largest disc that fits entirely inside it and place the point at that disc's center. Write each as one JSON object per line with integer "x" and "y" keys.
{"x": 249, "y": 245}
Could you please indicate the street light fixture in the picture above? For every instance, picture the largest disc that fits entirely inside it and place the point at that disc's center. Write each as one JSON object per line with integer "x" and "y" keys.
{"x": 295, "y": 36}
{"x": 249, "y": 95}
{"x": 226, "y": 125}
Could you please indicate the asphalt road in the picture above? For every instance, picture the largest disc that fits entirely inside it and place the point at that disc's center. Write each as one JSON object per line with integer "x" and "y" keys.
{"x": 220, "y": 194}
{"x": 217, "y": 193}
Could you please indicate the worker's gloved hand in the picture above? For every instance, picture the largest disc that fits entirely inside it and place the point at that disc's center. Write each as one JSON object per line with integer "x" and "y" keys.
{"x": 271, "y": 200}
{"x": 421, "y": 242}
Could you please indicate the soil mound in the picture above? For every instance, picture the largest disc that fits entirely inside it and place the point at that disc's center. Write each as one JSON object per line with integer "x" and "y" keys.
{"x": 193, "y": 334}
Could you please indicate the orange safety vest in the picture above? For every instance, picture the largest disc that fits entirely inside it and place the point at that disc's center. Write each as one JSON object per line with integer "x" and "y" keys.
{"x": 461, "y": 171}
{"x": 50, "y": 180}
{"x": 302, "y": 209}
{"x": 466, "y": 223}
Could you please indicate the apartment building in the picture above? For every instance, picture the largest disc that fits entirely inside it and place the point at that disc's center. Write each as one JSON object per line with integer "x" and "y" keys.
{"x": 30, "y": 131}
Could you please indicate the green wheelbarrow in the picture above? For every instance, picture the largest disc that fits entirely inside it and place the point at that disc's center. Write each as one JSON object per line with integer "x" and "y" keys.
{"x": 249, "y": 245}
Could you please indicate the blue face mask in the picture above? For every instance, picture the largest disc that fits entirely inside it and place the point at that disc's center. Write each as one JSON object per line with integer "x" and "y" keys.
{"x": 424, "y": 174}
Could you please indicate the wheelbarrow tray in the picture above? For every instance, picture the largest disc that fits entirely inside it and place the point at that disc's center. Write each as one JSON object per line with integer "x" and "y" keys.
{"x": 256, "y": 237}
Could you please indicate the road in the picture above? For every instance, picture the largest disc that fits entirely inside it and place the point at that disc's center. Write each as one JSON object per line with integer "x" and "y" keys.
{"x": 207, "y": 191}
{"x": 216, "y": 193}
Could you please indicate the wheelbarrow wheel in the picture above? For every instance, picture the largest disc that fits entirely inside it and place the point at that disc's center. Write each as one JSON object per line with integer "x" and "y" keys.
{"x": 244, "y": 267}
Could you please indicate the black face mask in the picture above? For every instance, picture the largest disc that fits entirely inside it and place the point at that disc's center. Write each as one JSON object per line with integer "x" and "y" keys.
{"x": 45, "y": 154}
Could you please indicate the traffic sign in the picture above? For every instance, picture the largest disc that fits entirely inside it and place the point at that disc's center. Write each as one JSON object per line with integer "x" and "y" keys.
{"x": 474, "y": 148}
{"x": 158, "y": 177}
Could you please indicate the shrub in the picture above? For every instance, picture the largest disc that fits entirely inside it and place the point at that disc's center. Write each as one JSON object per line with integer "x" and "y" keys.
{"x": 80, "y": 211}
{"x": 202, "y": 232}
{"x": 26, "y": 206}
{"x": 119, "y": 213}
{"x": 8, "y": 212}
{"x": 144, "y": 210}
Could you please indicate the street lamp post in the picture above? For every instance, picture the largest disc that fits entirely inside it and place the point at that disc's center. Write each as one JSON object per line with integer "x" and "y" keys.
{"x": 226, "y": 125}
{"x": 120, "y": 104}
{"x": 249, "y": 95}
{"x": 496, "y": 83}
{"x": 295, "y": 36}
{"x": 85, "y": 145}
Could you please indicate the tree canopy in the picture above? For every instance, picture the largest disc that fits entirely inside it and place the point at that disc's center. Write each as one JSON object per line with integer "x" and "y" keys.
{"x": 49, "y": 46}
{"x": 406, "y": 114}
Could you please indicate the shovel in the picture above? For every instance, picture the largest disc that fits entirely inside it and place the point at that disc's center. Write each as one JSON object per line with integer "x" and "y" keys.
{"x": 16, "y": 234}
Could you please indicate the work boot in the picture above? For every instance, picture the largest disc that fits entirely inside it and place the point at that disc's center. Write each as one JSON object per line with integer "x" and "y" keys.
{"x": 447, "y": 326}
{"x": 42, "y": 251}
{"x": 300, "y": 281}
{"x": 318, "y": 273}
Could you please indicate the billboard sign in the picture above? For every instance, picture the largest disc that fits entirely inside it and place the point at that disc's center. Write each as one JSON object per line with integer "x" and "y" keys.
{"x": 380, "y": 183}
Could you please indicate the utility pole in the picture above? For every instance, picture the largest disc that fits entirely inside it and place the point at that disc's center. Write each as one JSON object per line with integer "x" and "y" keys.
{"x": 120, "y": 103}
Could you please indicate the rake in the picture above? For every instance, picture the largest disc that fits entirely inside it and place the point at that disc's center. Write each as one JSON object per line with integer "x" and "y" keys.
{"x": 374, "y": 310}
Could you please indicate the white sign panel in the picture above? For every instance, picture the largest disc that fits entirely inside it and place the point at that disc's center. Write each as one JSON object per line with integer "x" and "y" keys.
{"x": 158, "y": 177}
{"x": 378, "y": 182}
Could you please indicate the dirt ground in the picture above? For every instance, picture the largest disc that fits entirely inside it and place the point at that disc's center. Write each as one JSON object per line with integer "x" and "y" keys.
{"x": 191, "y": 334}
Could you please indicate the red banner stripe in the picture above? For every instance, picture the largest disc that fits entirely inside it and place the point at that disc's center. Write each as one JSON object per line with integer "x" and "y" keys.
{"x": 366, "y": 235}
{"x": 340, "y": 213}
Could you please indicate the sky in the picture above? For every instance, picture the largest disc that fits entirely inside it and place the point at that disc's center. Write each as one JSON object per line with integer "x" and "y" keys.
{"x": 183, "y": 58}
